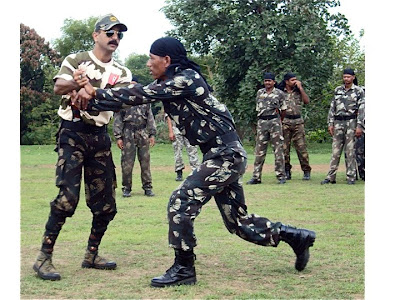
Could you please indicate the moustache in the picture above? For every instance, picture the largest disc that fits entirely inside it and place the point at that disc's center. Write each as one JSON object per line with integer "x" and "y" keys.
{"x": 113, "y": 43}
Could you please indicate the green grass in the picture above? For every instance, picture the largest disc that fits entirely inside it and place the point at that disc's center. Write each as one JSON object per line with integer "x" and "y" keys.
{"x": 227, "y": 267}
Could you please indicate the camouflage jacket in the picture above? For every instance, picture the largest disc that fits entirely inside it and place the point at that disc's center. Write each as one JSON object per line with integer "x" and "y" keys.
{"x": 102, "y": 75}
{"x": 294, "y": 106}
{"x": 198, "y": 115}
{"x": 270, "y": 104}
{"x": 348, "y": 103}
{"x": 139, "y": 116}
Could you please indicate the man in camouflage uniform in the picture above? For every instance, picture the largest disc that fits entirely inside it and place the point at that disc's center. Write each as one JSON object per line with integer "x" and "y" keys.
{"x": 293, "y": 124}
{"x": 83, "y": 143}
{"x": 134, "y": 130}
{"x": 206, "y": 122}
{"x": 270, "y": 103}
{"x": 345, "y": 121}
{"x": 178, "y": 141}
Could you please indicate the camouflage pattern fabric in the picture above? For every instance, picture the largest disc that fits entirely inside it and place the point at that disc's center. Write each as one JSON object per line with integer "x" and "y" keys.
{"x": 360, "y": 155}
{"x": 178, "y": 144}
{"x": 217, "y": 176}
{"x": 89, "y": 148}
{"x": 269, "y": 104}
{"x": 134, "y": 125}
{"x": 293, "y": 131}
{"x": 100, "y": 75}
{"x": 206, "y": 122}
{"x": 90, "y": 152}
{"x": 345, "y": 104}
{"x": 296, "y": 134}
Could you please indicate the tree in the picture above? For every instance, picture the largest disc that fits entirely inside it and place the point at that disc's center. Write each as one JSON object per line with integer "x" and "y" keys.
{"x": 137, "y": 64}
{"x": 247, "y": 38}
{"x": 37, "y": 65}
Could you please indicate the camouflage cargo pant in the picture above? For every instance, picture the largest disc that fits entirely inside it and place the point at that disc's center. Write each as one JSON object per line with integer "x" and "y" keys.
{"x": 217, "y": 176}
{"x": 360, "y": 155}
{"x": 91, "y": 152}
{"x": 297, "y": 135}
{"x": 135, "y": 141}
{"x": 343, "y": 138}
{"x": 269, "y": 130}
{"x": 178, "y": 144}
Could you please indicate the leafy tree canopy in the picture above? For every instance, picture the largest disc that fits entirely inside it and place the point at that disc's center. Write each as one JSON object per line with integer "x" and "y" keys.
{"x": 247, "y": 38}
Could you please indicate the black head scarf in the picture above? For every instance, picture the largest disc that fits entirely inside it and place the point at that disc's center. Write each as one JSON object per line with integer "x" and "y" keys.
{"x": 282, "y": 84}
{"x": 351, "y": 72}
{"x": 168, "y": 46}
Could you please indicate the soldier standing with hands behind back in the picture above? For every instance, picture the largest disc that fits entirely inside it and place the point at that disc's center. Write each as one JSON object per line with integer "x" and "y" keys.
{"x": 135, "y": 130}
{"x": 270, "y": 103}
{"x": 345, "y": 120}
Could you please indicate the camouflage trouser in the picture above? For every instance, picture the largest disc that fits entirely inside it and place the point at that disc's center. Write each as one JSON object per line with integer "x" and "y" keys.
{"x": 217, "y": 176}
{"x": 343, "y": 138}
{"x": 360, "y": 155}
{"x": 296, "y": 134}
{"x": 269, "y": 130}
{"x": 89, "y": 150}
{"x": 178, "y": 144}
{"x": 135, "y": 140}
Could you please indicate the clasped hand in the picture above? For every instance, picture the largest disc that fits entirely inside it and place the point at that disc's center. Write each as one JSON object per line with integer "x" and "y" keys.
{"x": 80, "y": 98}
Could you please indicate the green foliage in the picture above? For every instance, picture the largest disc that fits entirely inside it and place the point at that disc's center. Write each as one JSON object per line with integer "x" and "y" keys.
{"x": 137, "y": 64}
{"x": 247, "y": 38}
{"x": 37, "y": 67}
{"x": 76, "y": 36}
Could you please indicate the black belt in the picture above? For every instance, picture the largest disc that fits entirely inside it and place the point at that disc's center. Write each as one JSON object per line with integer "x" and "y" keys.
{"x": 226, "y": 138}
{"x": 81, "y": 126}
{"x": 135, "y": 127}
{"x": 345, "y": 118}
{"x": 269, "y": 117}
{"x": 293, "y": 116}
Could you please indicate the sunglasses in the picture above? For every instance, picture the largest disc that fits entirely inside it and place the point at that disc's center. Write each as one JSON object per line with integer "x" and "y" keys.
{"x": 110, "y": 33}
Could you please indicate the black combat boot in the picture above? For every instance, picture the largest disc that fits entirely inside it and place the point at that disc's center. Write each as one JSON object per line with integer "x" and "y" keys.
{"x": 300, "y": 240}
{"x": 181, "y": 272}
{"x": 288, "y": 174}
{"x": 179, "y": 175}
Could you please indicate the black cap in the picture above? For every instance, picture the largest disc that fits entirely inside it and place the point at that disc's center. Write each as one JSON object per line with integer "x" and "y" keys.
{"x": 107, "y": 22}
{"x": 268, "y": 75}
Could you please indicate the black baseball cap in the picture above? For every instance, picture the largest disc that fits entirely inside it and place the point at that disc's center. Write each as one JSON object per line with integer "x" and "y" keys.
{"x": 107, "y": 22}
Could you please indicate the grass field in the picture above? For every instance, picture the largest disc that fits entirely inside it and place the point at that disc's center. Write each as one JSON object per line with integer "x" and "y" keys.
{"x": 227, "y": 267}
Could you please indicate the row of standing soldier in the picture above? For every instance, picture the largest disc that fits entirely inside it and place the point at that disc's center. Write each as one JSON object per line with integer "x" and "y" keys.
{"x": 280, "y": 123}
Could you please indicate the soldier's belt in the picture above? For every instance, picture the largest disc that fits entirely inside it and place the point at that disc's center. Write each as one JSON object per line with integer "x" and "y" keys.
{"x": 135, "y": 127}
{"x": 345, "y": 118}
{"x": 81, "y": 126}
{"x": 293, "y": 117}
{"x": 226, "y": 138}
{"x": 268, "y": 117}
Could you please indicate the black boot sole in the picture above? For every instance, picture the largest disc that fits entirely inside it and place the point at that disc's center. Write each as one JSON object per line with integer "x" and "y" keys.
{"x": 90, "y": 266}
{"x": 186, "y": 281}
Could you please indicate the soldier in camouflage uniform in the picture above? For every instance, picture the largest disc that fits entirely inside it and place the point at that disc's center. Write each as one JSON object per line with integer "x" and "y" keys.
{"x": 83, "y": 143}
{"x": 345, "y": 121}
{"x": 134, "y": 130}
{"x": 293, "y": 124}
{"x": 270, "y": 103}
{"x": 206, "y": 122}
{"x": 178, "y": 141}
